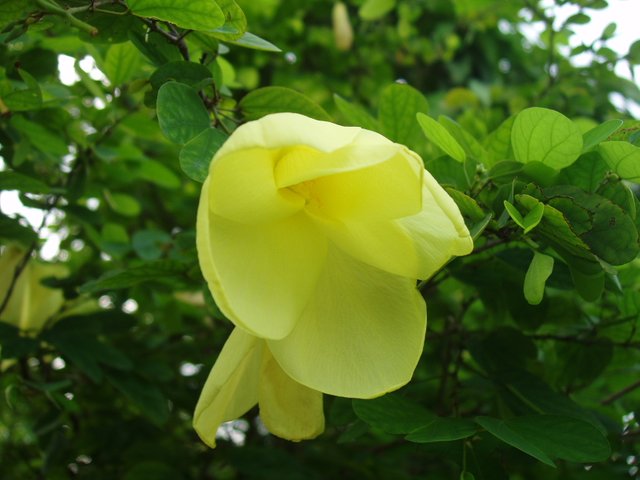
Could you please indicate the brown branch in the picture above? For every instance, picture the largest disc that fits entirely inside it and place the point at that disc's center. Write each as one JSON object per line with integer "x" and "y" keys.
{"x": 620, "y": 393}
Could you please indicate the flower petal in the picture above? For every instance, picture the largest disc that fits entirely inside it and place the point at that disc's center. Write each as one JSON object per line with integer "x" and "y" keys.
{"x": 243, "y": 188}
{"x": 232, "y": 386}
{"x": 416, "y": 246}
{"x": 289, "y": 129}
{"x": 361, "y": 334}
{"x": 388, "y": 189}
{"x": 287, "y": 408}
{"x": 261, "y": 276}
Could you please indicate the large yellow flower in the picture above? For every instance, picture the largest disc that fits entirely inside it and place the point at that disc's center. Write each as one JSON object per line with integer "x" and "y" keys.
{"x": 31, "y": 303}
{"x": 246, "y": 373}
{"x": 311, "y": 237}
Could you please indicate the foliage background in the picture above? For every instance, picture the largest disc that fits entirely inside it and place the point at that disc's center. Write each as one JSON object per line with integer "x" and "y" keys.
{"x": 505, "y": 389}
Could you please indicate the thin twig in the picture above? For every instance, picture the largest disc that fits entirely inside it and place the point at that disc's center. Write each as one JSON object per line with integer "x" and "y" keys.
{"x": 620, "y": 393}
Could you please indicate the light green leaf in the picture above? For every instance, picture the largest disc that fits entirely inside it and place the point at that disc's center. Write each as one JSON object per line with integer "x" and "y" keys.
{"x": 181, "y": 113}
{"x": 514, "y": 213}
{"x": 196, "y": 155}
{"x": 599, "y": 134}
{"x": 155, "y": 172}
{"x": 374, "y": 9}
{"x": 441, "y": 137}
{"x": 500, "y": 429}
{"x": 532, "y": 219}
{"x": 249, "y": 40}
{"x": 397, "y": 111}
{"x": 498, "y": 143}
{"x": 546, "y": 136}
{"x": 235, "y": 24}
{"x": 264, "y": 101}
{"x": 355, "y": 114}
{"x": 122, "y": 203}
{"x": 539, "y": 270}
{"x": 121, "y": 63}
{"x": 623, "y": 158}
{"x": 469, "y": 144}
{"x": 191, "y": 14}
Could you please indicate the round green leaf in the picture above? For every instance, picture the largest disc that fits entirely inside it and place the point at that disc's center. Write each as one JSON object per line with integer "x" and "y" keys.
{"x": 546, "y": 136}
{"x": 539, "y": 270}
{"x": 181, "y": 113}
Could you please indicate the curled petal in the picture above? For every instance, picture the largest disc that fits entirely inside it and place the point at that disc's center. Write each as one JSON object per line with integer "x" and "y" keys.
{"x": 261, "y": 276}
{"x": 415, "y": 246}
{"x": 232, "y": 386}
{"x": 361, "y": 334}
{"x": 288, "y": 409}
{"x": 358, "y": 182}
{"x": 243, "y": 188}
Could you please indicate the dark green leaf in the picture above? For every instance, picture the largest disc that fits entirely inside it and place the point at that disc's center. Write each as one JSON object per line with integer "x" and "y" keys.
{"x": 181, "y": 113}
{"x": 442, "y": 429}
{"x": 196, "y": 155}
{"x": 392, "y": 413}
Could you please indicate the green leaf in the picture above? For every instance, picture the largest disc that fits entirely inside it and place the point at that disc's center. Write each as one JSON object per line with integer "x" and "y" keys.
{"x": 500, "y": 429}
{"x": 249, "y": 40}
{"x": 235, "y": 24}
{"x": 441, "y": 137}
{"x": 514, "y": 213}
{"x": 123, "y": 203}
{"x": 623, "y": 158}
{"x": 263, "y": 101}
{"x": 40, "y": 137}
{"x": 443, "y": 429}
{"x": 29, "y": 98}
{"x": 587, "y": 172}
{"x": 539, "y": 270}
{"x": 578, "y": 18}
{"x": 397, "y": 111}
{"x": 498, "y": 143}
{"x": 546, "y": 136}
{"x": 392, "y": 413}
{"x": 190, "y": 14}
{"x": 196, "y": 155}
{"x": 469, "y": 144}
{"x": 164, "y": 271}
{"x": 150, "y": 244}
{"x": 375, "y": 9}
{"x": 467, "y": 205}
{"x": 16, "y": 181}
{"x": 479, "y": 227}
{"x": 181, "y": 113}
{"x": 11, "y": 229}
{"x": 599, "y": 134}
{"x": 122, "y": 63}
{"x": 356, "y": 115}
{"x": 156, "y": 173}
{"x": 148, "y": 398}
{"x": 562, "y": 437}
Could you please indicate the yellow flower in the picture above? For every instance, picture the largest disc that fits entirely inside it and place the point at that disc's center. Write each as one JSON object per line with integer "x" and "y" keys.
{"x": 311, "y": 237}
{"x": 31, "y": 304}
{"x": 245, "y": 374}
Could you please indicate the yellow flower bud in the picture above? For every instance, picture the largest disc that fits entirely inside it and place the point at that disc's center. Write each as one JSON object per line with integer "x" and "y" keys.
{"x": 342, "y": 30}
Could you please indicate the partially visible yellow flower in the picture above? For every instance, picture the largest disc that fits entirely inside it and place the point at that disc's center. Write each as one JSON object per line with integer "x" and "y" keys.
{"x": 311, "y": 236}
{"x": 246, "y": 374}
{"x": 31, "y": 304}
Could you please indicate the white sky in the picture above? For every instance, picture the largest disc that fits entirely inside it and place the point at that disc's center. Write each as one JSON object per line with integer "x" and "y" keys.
{"x": 625, "y": 13}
